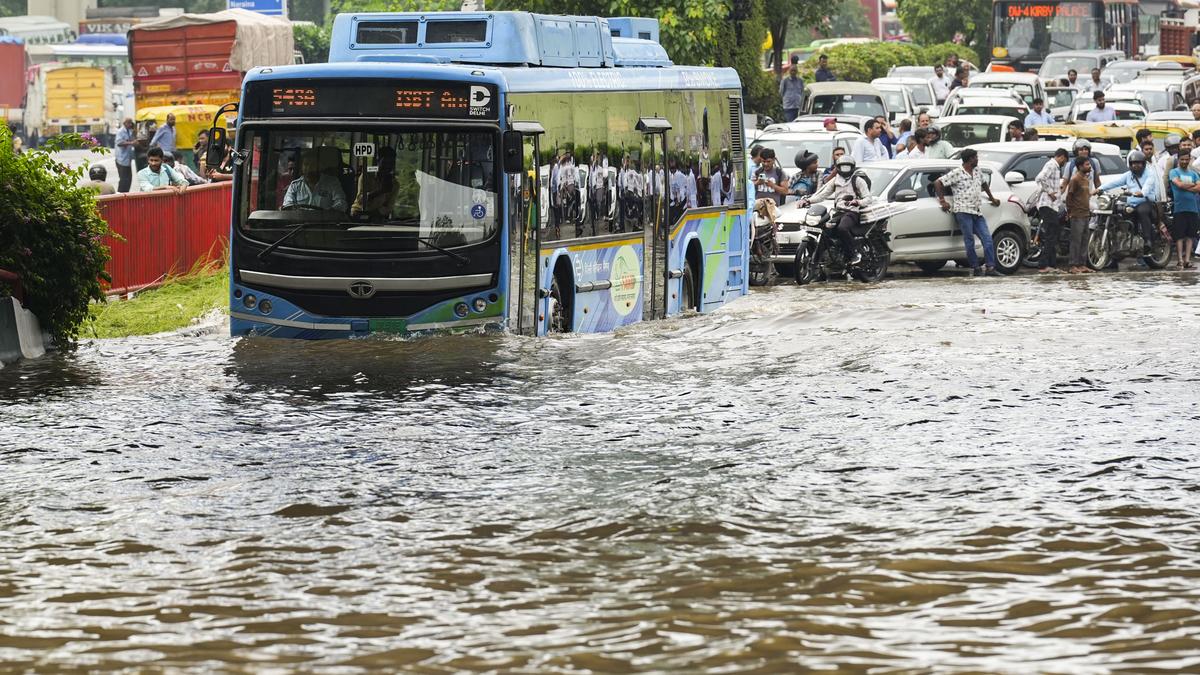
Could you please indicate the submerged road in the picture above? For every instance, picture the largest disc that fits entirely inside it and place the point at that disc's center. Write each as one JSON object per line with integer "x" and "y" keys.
{"x": 926, "y": 474}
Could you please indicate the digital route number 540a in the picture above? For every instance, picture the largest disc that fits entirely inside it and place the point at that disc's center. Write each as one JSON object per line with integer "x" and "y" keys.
{"x": 331, "y": 99}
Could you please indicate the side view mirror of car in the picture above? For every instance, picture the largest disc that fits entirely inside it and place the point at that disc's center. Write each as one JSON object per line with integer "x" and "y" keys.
{"x": 1181, "y": 108}
{"x": 905, "y": 196}
{"x": 514, "y": 160}
{"x": 1014, "y": 178}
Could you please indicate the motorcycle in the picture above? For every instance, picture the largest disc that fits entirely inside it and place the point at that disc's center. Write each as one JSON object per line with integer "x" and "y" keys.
{"x": 764, "y": 245}
{"x": 820, "y": 256}
{"x": 1117, "y": 235}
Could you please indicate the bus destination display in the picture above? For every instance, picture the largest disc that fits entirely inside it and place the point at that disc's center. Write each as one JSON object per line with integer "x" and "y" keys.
{"x": 1049, "y": 10}
{"x": 338, "y": 99}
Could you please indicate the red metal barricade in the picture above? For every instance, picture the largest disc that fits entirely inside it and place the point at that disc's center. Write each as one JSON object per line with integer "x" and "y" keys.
{"x": 164, "y": 233}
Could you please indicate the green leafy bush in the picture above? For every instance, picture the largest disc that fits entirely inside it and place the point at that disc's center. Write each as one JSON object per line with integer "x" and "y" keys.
{"x": 51, "y": 234}
{"x": 312, "y": 42}
{"x": 866, "y": 61}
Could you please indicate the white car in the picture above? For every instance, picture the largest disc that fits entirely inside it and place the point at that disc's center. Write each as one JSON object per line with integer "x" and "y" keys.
{"x": 966, "y": 101}
{"x": 898, "y": 101}
{"x": 925, "y": 234}
{"x": 921, "y": 91}
{"x": 787, "y": 144}
{"x": 1130, "y": 109}
{"x": 1155, "y": 97}
{"x": 1027, "y": 86}
{"x": 963, "y": 130}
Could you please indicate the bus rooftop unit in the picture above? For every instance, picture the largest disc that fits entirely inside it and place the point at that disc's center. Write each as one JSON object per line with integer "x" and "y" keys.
{"x": 506, "y": 170}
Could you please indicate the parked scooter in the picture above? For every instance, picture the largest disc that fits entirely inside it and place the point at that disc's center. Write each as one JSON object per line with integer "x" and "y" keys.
{"x": 764, "y": 245}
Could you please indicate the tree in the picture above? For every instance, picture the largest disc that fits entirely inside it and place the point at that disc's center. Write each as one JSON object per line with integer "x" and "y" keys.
{"x": 782, "y": 15}
{"x": 933, "y": 21}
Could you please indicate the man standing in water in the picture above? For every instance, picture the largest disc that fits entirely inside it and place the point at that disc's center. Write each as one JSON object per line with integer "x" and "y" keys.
{"x": 969, "y": 186}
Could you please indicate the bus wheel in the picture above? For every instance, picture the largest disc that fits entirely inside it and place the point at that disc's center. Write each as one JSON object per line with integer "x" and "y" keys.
{"x": 688, "y": 297}
{"x": 559, "y": 322}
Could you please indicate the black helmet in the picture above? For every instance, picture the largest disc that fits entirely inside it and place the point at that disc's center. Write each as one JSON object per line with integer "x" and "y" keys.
{"x": 1136, "y": 157}
{"x": 98, "y": 172}
{"x": 846, "y": 166}
{"x": 805, "y": 159}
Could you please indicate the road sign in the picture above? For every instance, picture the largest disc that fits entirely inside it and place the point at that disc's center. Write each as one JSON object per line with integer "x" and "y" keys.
{"x": 268, "y": 7}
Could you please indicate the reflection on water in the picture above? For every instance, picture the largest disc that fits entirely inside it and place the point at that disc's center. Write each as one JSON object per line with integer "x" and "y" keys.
{"x": 989, "y": 476}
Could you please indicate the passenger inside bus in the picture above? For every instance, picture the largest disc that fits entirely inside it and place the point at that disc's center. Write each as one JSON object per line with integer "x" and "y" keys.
{"x": 377, "y": 190}
{"x": 315, "y": 189}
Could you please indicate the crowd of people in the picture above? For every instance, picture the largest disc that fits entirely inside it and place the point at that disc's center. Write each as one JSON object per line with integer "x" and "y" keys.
{"x": 151, "y": 155}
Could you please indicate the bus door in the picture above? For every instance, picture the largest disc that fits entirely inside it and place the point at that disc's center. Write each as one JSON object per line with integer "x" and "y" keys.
{"x": 524, "y": 215}
{"x": 658, "y": 225}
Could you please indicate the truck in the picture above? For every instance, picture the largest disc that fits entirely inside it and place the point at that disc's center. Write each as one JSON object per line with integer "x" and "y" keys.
{"x": 63, "y": 98}
{"x": 12, "y": 80}
{"x": 201, "y": 58}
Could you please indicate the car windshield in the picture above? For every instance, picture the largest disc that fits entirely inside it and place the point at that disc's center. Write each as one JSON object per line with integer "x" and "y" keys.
{"x": 893, "y": 99}
{"x": 1059, "y": 66}
{"x": 1025, "y": 91}
{"x": 1120, "y": 73}
{"x": 372, "y": 189}
{"x": 786, "y": 149}
{"x": 1155, "y": 100}
{"x": 996, "y": 156}
{"x": 879, "y": 177}
{"x": 848, "y": 104}
{"x": 989, "y": 110}
{"x": 923, "y": 72}
{"x": 1057, "y": 98}
{"x": 962, "y": 134}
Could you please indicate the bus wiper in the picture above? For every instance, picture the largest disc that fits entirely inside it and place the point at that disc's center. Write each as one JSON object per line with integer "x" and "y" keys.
{"x": 288, "y": 235}
{"x": 460, "y": 258}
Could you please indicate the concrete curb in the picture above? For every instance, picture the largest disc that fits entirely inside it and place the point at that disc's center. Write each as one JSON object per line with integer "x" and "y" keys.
{"x": 21, "y": 335}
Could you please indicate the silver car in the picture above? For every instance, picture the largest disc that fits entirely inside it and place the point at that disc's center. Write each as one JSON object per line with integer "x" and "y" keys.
{"x": 925, "y": 234}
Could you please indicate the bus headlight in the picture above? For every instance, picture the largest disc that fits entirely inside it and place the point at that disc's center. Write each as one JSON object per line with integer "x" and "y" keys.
{"x": 249, "y": 301}
{"x": 265, "y": 306}
{"x": 461, "y": 310}
{"x": 480, "y": 305}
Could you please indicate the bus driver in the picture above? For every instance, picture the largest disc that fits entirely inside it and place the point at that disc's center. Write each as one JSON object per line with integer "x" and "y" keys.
{"x": 313, "y": 188}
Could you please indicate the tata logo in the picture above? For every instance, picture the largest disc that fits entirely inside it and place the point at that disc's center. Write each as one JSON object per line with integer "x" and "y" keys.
{"x": 361, "y": 289}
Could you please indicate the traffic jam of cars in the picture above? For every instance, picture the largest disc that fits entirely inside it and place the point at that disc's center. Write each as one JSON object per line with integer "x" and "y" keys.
{"x": 1074, "y": 168}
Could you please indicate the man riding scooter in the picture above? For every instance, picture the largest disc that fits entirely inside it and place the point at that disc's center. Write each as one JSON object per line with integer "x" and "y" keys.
{"x": 850, "y": 192}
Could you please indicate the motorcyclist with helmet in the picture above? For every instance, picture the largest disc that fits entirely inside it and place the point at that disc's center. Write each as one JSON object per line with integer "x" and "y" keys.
{"x": 850, "y": 191}
{"x": 935, "y": 147}
{"x": 1143, "y": 193}
{"x": 807, "y": 179}
{"x": 1081, "y": 148}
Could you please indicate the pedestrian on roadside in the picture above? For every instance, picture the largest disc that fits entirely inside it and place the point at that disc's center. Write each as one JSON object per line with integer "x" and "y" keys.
{"x": 1195, "y": 108}
{"x": 823, "y": 73}
{"x": 869, "y": 148}
{"x": 183, "y": 169}
{"x": 199, "y": 149}
{"x": 831, "y": 170}
{"x": 969, "y": 186}
{"x": 769, "y": 180}
{"x": 906, "y": 127}
{"x": 1073, "y": 80}
{"x": 1094, "y": 84}
{"x": 960, "y": 79}
{"x": 791, "y": 90}
{"x": 1079, "y": 211}
{"x": 886, "y": 136}
{"x": 1030, "y": 135}
{"x": 126, "y": 145}
{"x": 165, "y": 136}
{"x": 830, "y": 124}
{"x": 98, "y": 180}
{"x": 1016, "y": 131}
{"x": 156, "y": 176}
{"x": 1049, "y": 204}
{"x": 935, "y": 147}
{"x": 1185, "y": 226}
{"x": 1038, "y": 115}
{"x": 941, "y": 87}
{"x": 1102, "y": 112}
{"x": 919, "y": 137}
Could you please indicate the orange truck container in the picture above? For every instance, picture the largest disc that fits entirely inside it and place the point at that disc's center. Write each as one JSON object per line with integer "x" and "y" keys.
{"x": 201, "y": 58}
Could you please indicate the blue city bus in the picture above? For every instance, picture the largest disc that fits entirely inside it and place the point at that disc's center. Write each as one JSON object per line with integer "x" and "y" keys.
{"x": 490, "y": 170}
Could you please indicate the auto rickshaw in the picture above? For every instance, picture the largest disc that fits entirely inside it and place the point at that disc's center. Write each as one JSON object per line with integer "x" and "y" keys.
{"x": 1188, "y": 61}
{"x": 1116, "y": 133}
{"x": 190, "y": 120}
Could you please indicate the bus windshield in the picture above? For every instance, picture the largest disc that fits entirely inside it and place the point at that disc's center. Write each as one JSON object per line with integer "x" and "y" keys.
{"x": 372, "y": 189}
{"x": 1032, "y": 31}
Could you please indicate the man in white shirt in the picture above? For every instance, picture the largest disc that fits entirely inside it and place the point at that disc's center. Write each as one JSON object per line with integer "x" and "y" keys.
{"x": 1101, "y": 113}
{"x": 921, "y": 136}
{"x": 1093, "y": 84}
{"x": 941, "y": 88}
{"x": 1038, "y": 115}
{"x": 869, "y": 148}
{"x": 314, "y": 188}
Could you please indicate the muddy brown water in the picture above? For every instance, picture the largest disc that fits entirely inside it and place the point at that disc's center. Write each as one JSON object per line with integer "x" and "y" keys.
{"x": 923, "y": 475}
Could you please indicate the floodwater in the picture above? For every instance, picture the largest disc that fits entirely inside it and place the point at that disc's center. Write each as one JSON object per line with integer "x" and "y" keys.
{"x": 946, "y": 474}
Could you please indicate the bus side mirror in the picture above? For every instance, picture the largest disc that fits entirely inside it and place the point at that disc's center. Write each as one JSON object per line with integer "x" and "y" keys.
{"x": 214, "y": 156}
{"x": 513, "y": 144}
